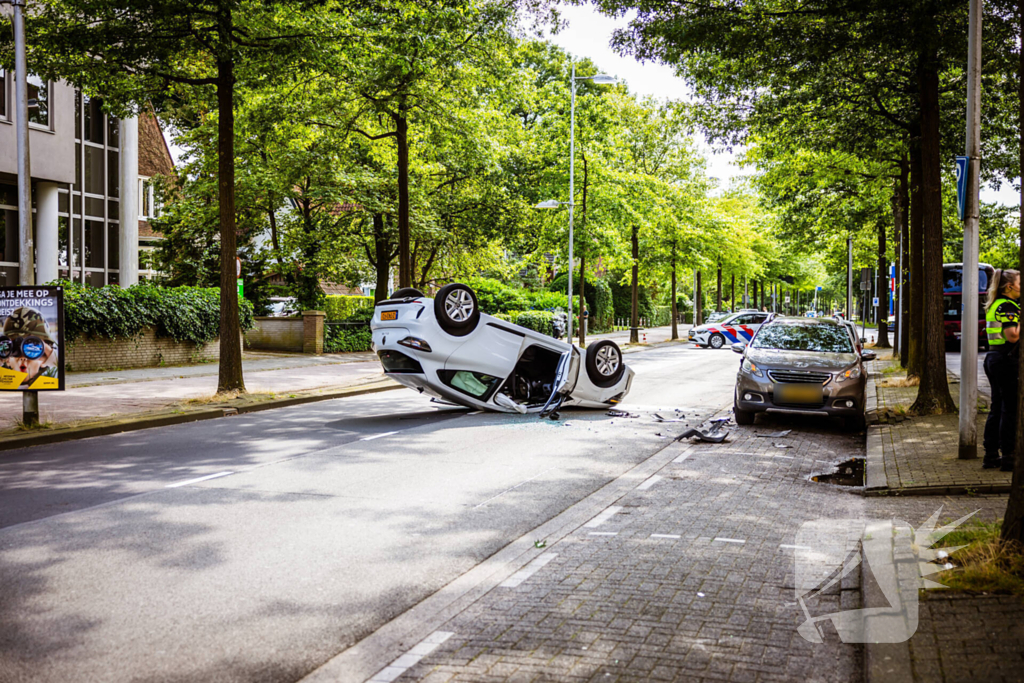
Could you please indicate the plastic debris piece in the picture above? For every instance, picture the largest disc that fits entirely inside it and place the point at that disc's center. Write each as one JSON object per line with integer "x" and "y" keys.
{"x": 617, "y": 413}
{"x": 948, "y": 565}
{"x": 540, "y": 544}
{"x": 700, "y": 595}
{"x": 567, "y": 424}
{"x": 775, "y": 435}
{"x": 782, "y": 445}
{"x": 942, "y": 554}
{"x": 665, "y": 419}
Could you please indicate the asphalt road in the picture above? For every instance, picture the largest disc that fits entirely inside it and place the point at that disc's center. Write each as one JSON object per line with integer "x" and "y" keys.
{"x": 308, "y": 527}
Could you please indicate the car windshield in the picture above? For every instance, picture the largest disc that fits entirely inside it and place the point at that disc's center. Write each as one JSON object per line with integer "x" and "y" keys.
{"x": 796, "y": 337}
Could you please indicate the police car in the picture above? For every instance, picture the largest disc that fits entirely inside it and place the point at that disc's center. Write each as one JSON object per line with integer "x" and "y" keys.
{"x": 739, "y": 327}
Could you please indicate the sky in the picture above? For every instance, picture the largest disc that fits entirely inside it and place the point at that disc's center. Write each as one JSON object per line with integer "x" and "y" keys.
{"x": 589, "y": 33}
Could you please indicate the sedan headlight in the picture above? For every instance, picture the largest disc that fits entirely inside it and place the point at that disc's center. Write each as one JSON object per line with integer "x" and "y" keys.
{"x": 852, "y": 372}
{"x": 751, "y": 368}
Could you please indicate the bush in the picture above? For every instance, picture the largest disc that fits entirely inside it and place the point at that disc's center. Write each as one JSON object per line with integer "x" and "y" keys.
{"x": 622, "y": 300}
{"x": 538, "y": 321}
{"x": 344, "y": 339}
{"x": 353, "y": 337}
{"x": 497, "y": 297}
{"x": 185, "y": 314}
{"x": 342, "y": 307}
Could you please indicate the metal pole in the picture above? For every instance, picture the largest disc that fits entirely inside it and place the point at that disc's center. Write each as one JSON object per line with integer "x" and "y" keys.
{"x": 26, "y": 270}
{"x": 572, "y": 197}
{"x": 30, "y": 408}
{"x": 849, "y": 278}
{"x": 968, "y": 447}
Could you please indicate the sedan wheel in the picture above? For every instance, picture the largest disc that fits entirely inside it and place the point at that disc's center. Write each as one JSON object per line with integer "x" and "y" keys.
{"x": 604, "y": 363}
{"x": 717, "y": 341}
{"x": 456, "y": 309}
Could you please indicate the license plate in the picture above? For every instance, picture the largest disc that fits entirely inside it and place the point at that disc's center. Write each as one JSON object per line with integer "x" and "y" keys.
{"x": 389, "y": 315}
{"x": 798, "y": 393}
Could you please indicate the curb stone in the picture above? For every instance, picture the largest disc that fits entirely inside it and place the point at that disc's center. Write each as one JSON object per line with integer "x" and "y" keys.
{"x": 118, "y": 426}
{"x": 883, "y": 662}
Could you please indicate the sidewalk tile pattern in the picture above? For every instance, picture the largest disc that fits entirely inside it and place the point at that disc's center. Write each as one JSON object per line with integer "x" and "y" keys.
{"x": 641, "y": 605}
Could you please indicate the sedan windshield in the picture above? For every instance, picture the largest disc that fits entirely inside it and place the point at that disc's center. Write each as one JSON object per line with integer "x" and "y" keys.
{"x": 823, "y": 338}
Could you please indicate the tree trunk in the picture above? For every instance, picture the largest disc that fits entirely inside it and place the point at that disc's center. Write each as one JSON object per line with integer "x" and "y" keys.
{"x": 402, "y": 144}
{"x": 718, "y": 303}
{"x": 904, "y": 275}
{"x": 675, "y": 311}
{"x": 882, "y": 342}
{"x": 634, "y": 318}
{"x": 753, "y": 299}
{"x": 732, "y": 295}
{"x": 933, "y": 393}
{"x": 230, "y": 371}
{"x": 1013, "y": 520}
{"x": 582, "y": 305}
{"x": 382, "y": 262}
{"x": 915, "y": 275}
{"x": 698, "y": 303}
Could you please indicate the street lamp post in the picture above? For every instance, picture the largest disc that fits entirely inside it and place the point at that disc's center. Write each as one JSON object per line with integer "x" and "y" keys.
{"x": 602, "y": 79}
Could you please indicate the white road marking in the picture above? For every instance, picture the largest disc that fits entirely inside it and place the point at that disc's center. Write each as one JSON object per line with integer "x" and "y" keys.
{"x": 649, "y": 483}
{"x": 410, "y": 658}
{"x": 603, "y": 517}
{"x": 795, "y": 547}
{"x": 728, "y": 540}
{"x": 376, "y": 436}
{"x": 682, "y": 457}
{"x": 603, "y": 533}
{"x": 528, "y": 571}
{"x": 674, "y": 536}
{"x": 195, "y": 481}
{"x": 787, "y": 457}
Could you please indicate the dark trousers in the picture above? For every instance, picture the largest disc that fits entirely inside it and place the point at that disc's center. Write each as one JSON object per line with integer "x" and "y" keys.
{"x": 1001, "y": 426}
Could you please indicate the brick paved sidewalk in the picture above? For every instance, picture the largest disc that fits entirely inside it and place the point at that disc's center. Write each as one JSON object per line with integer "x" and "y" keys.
{"x": 687, "y": 577}
{"x": 919, "y": 454}
{"x": 133, "y": 393}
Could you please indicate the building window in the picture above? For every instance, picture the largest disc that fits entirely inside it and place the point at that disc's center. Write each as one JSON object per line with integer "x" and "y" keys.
{"x": 3, "y": 95}
{"x": 148, "y": 206}
{"x": 38, "y": 101}
{"x": 89, "y": 254}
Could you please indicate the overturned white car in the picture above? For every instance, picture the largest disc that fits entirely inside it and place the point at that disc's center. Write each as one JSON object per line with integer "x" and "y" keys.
{"x": 446, "y": 348}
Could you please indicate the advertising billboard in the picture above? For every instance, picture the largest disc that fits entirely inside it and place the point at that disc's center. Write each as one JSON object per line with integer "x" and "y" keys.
{"x": 32, "y": 338}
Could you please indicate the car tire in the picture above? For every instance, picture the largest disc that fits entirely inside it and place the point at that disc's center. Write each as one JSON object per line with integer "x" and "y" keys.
{"x": 742, "y": 417}
{"x": 604, "y": 363}
{"x": 716, "y": 341}
{"x": 406, "y": 293}
{"x": 456, "y": 309}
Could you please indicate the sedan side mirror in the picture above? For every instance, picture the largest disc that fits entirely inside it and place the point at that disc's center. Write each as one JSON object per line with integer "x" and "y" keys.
{"x": 868, "y": 355}
{"x": 739, "y": 347}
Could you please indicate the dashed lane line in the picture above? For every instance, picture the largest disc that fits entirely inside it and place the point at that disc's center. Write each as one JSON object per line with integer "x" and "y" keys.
{"x": 376, "y": 436}
{"x": 528, "y": 571}
{"x": 603, "y": 517}
{"x": 672, "y": 536}
{"x": 727, "y": 540}
{"x": 649, "y": 483}
{"x": 410, "y": 658}
{"x": 198, "y": 479}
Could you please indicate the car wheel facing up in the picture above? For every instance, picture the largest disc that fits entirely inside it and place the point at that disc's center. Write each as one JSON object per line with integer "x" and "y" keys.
{"x": 716, "y": 341}
{"x": 406, "y": 293}
{"x": 456, "y": 309}
{"x": 604, "y": 363}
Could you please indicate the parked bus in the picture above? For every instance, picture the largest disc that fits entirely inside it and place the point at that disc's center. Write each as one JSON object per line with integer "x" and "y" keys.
{"x": 952, "y": 301}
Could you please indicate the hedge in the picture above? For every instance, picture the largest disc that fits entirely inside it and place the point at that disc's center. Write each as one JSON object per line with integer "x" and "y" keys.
{"x": 496, "y": 297}
{"x": 185, "y": 314}
{"x": 338, "y": 307}
{"x": 348, "y": 338}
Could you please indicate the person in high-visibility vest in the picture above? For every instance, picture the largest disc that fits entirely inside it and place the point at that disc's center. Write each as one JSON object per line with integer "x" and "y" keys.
{"x": 1002, "y": 312}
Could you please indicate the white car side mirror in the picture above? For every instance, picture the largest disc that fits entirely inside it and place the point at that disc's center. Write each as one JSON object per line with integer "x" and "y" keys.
{"x": 739, "y": 347}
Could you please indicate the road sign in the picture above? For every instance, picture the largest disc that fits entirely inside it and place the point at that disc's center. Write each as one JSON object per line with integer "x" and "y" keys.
{"x": 787, "y": 299}
{"x": 961, "y": 184}
{"x": 819, "y": 288}
{"x": 865, "y": 286}
{"x": 865, "y": 275}
{"x": 874, "y": 302}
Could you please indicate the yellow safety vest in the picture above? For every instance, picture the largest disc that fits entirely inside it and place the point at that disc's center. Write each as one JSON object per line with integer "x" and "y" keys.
{"x": 1001, "y": 311}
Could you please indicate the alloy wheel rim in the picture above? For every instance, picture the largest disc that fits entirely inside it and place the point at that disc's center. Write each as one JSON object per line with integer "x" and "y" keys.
{"x": 459, "y": 305}
{"x": 716, "y": 342}
{"x": 607, "y": 361}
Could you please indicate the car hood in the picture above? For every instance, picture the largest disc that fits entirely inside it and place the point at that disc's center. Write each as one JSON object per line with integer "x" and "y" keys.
{"x": 803, "y": 360}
